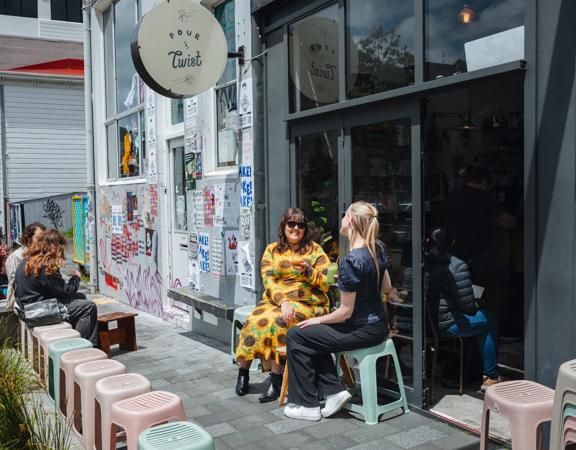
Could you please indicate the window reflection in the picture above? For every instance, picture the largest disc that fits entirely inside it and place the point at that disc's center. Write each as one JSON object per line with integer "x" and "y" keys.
{"x": 127, "y": 84}
{"x": 380, "y": 39}
{"x": 224, "y": 14}
{"x": 317, "y": 175}
{"x": 227, "y": 125}
{"x": 129, "y": 146}
{"x": 314, "y": 70}
{"x": 483, "y": 34}
{"x": 176, "y": 111}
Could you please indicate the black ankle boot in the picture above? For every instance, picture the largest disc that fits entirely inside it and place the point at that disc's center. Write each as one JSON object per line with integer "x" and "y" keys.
{"x": 273, "y": 391}
{"x": 242, "y": 386}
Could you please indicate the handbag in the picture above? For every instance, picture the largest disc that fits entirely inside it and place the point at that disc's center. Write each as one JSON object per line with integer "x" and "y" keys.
{"x": 45, "y": 312}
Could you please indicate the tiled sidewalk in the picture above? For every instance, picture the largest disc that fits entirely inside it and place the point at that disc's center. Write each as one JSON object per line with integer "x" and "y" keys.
{"x": 200, "y": 371}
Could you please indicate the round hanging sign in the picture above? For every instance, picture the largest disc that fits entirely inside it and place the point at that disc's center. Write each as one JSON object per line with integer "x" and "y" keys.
{"x": 179, "y": 49}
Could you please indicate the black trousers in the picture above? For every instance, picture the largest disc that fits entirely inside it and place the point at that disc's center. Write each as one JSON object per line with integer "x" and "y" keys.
{"x": 309, "y": 351}
{"x": 82, "y": 315}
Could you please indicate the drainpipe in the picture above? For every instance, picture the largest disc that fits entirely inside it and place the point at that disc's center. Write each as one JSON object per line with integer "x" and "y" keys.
{"x": 90, "y": 163}
{"x": 3, "y": 158}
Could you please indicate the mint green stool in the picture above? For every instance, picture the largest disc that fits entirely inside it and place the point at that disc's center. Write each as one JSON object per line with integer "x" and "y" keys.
{"x": 55, "y": 351}
{"x": 240, "y": 316}
{"x": 175, "y": 436}
{"x": 569, "y": 411}
{"x": 367, "y": 357}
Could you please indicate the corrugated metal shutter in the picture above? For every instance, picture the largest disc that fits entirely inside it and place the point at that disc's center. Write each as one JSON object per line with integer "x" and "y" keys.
{"x": 45, "y": 140}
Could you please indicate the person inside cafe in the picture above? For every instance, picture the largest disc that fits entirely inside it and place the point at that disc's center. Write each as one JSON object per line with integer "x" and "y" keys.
{"x": 453, "y": 308}
{"x": 294, "y": 274}
{"x": 358, "y": 322}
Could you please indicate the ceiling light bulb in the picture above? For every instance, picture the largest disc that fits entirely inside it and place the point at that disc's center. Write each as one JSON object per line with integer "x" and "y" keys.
{"x": 466, "y": 16}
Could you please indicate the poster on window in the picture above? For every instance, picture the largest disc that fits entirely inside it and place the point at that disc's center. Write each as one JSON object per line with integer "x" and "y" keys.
{"x": 226, "y": 201}
{"x": 231, "y": 243}
{"x": 193, "y": 246}
{"x": 245, "y": 103}
{"x": 217, "y": 268}
{"x": 246, "y": 186}
{"x": 246, "y": 265}
{"x": 204, "y": 252}
{"x": 190, "y": 170}
{"x": 209, "y": 205}
{"x": 247, "y": 147}
{"x": 197, "y": 208}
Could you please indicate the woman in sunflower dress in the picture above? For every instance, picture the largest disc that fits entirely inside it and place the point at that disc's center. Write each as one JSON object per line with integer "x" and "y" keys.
{"x": 295, "y": 288}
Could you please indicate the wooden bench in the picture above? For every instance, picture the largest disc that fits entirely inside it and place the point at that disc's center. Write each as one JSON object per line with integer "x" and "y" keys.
{"x": 124, "y": 334}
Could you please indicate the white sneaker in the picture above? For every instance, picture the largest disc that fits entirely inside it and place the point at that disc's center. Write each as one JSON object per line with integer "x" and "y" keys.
{"x": 302, "y": 412}
{"x": 335, "y": 403}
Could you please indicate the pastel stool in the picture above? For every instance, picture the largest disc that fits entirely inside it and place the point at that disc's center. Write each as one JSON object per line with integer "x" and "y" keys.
{"x": 55, "y": 352}
{"x": 240, "y": 316}
{"x": 44, "y": 342}
{"x": 136, "y": 414}
{"x": 85, "y": 377}
{"x": 525, "y": 404}
{"x": 23, "y": 338}
{"x": 35, "y": 333}
{"x": 569, "y": 432}
{"x": 175, "y": 435}
{"x": 110, "y": 390}
{"x": 68, "y": 362}
{"x": 367, "y": 358}
{"x": 565, "y": 389}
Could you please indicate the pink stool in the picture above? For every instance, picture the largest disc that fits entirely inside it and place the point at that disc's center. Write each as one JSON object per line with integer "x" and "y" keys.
{"x": 525, "y": 404}
{"x": 68, "y": 362}
{"x": 136, "y": 414}
{"x": 34, "y": 335}
{"x": 85, "y": 377}
{"x": 569, "y": 432}
{"x": 44, "y": 341}
{"x": 111, "y": 390}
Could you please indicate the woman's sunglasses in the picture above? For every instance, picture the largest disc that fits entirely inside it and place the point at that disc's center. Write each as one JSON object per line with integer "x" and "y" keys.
{"x": 294, "y": 224}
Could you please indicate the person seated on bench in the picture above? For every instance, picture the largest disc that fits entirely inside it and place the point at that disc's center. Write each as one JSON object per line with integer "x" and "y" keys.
{"x": 38, "y": 278}
{"x": 32, "y": 233}
{"x": 359, "y": 321}
{"x": 452, "y": 304}
{"x": 294, "y": 273}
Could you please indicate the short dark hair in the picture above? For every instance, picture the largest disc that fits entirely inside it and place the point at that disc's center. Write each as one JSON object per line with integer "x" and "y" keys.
{"x": 28, "y": 234}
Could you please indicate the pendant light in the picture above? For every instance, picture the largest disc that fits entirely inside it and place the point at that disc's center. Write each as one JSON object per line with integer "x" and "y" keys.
{"x": 466, "y": 16}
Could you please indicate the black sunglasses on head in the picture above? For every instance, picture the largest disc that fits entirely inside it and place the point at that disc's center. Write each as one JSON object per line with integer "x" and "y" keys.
{"x": 294, "y": 224}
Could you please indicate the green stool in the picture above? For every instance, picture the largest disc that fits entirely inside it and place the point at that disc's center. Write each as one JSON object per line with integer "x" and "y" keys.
{"x": 367, "y": 357}
{"x": 175, "y": 436}
{"x": 55, "y": 351}
{"x": 569, "y": 411}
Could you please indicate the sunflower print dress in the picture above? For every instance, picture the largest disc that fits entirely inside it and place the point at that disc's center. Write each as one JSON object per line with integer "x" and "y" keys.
{"x": 265, "y": 329}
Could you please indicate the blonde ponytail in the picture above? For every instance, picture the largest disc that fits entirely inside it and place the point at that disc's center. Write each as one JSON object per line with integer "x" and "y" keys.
{"x": 365, "y": 224}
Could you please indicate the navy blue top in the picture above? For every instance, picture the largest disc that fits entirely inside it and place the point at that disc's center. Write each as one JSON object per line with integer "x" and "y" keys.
{"x": 357, "y": 273}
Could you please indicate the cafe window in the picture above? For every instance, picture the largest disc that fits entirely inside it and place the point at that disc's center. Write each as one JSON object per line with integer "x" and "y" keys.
{"x": 465, "y": 37}
{"x": 380, "y": 46}
{"x": 226, "y": 93}
{"x": 314, "y": 63}
{"x": 21, "y": 8}
{"x": 176, "y": 111}
{"x": 66, "y": 10}
{"x": 124, "y": 93}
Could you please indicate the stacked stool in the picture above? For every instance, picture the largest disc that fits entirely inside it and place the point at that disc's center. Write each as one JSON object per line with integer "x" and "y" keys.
{"x": 55, "y": 352}
{"x": 68, "y": 363}
{"x": 563, "y": 428}
{"x": 139, "y": 413}
{"x": 85, "y": 377}
{"x": 109, "y": 391}
{"x": 44, "y": 341}
{"x": 34, "y": 335}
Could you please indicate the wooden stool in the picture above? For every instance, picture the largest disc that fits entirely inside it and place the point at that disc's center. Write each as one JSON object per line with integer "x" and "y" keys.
{"x": 124, "y": 334}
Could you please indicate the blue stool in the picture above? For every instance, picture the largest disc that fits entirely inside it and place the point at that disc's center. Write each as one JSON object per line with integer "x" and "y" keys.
{"x": 175, "y": 436}
{"x": 55, "y": 351}
{"x": 367, "y": 358}
{"x": 240, "y": 316}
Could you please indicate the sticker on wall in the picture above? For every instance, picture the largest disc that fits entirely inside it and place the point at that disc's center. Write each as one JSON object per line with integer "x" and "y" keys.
{"x": 226, "y": 201}
{"x": 245, "y": 228}
{"x": 194, "y": 275}
{"x": 191, "y": 107}
{"x": 129, "y": 207}
{"x": 204, "y": 252}
{"x": 154, "y": 200}
{"x": 197, "y": 209}
{"x": 151, "y": 237}
{"x": 134, "y": 200}
{"x": 209, "y": 206}
{"x": 190, "y": 170}
{"x": 246, "y": 265}
{"x": 247, "y": 147}
{"x": 117, "y": 219}
{"x": 198, "y": 159}
{"x": 245, "y": 103}
{"x": 231, "y": 242}
{"x": 193, "y": 246}
{"x": 246, "y": 186}
{"x": 217, "y": 255}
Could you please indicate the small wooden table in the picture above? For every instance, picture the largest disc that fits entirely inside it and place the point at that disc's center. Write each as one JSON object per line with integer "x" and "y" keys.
{"x": 124, "y": 334}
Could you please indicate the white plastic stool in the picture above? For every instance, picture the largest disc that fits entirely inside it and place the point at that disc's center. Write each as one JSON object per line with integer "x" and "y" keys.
{"x": 110, "y": 390}
{"x": 34, "y": 335}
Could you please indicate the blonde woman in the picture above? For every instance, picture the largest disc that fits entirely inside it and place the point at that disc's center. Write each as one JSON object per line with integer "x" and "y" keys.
{"x": 358, "y": 322}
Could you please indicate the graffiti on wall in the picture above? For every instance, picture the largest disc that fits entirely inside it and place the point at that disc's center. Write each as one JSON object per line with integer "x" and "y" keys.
{"x": 53, "y": 212}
